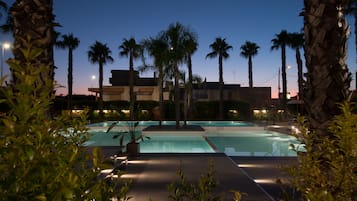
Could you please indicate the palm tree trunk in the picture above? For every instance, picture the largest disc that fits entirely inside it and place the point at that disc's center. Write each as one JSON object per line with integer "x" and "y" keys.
{"x": 100, "y": 91}
{"x": 34, "y": 20}
{"x": 250, "y": 71}
{"x": 220, "y": 63}
{"x": 283, "y": 74}
{"x": 161, "y": 94}
{"x": 131, "y": 86}
{"x": 189, "y": 94}
{"x": 355, "y": 15}
{"x": 328, "y": 79}
{"x": 185, "y": 100}
{"x": 70, "y": 79}
{"x": 177, "y": 96}
{"x": 300, "y": 76}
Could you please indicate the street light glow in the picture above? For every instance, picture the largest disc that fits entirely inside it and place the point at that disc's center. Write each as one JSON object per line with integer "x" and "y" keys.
{"x": 6, "y": 45}
{"x": 3, "y": 47}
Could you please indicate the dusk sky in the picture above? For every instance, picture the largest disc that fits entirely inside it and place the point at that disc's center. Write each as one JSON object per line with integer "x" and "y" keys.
{"x": 111, "y": 21}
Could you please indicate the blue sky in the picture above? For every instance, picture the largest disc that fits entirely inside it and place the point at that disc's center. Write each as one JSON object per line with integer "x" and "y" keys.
{"x": 111, "y": 21}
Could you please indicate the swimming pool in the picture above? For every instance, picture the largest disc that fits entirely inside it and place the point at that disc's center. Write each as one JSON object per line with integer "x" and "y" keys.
{"x": 240, "y": 141}
{"x": 253, "y": 143}
{"x": 158, "y": 143}
{"x": 199, "y": 123}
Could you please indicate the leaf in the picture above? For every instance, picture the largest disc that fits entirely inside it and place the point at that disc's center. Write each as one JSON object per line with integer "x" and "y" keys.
{"x": 112, "y": 126}
{"x": 41, "y": 197}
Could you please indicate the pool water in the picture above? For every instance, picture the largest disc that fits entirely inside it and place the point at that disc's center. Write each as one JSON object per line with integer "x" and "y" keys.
{"x": 231, "y": 142}
{"x": 157, "y": 143}
{"x": 253, "y": 143}
{"x": 200, "y": 123}
{"x": 175, "y": 144}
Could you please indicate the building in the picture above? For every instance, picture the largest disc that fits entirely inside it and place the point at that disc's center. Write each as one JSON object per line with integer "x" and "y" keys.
{"x": 257, "y": 97}
{"x": 147, "y": 89}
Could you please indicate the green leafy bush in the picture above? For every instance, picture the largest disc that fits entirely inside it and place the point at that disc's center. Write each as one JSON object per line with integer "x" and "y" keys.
{"x": 182, "y": 189}
{"x": 43, "y": 158}
{"x": 327, "y": 169}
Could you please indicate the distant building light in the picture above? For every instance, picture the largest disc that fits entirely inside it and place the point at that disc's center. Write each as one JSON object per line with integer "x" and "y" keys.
{"x": 125, "y": 111}
{"x": 262, "y": 111}
{"x": 288, "y": 96}
{"x": 233, "y": 111}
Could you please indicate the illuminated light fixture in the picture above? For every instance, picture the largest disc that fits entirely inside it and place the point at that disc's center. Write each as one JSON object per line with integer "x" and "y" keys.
{"x": 125, "y": 111}
{"x": 3, "y": 47}
{"x": 295, "y": 130}
{"x": 115, "y": 157}
{"x": 256, "y": 111}
{"x": 113, "y": 176}
{"x": 106, "y": 171}
{"x": 129, "y": 176}
{"x": 265, "y": 181}
{"x": 247, "y": 165}
{"x": 137, "y": 162}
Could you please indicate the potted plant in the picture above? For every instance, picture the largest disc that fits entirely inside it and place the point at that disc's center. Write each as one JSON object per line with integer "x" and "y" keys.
{"x": 133, "y": 146}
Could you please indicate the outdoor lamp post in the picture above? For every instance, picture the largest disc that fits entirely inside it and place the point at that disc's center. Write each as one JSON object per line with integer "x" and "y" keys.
{"x": 3, "y": 47}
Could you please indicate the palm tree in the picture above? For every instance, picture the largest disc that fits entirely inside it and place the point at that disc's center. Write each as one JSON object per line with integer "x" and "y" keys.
{"x": 34, "y": 22}
{"x": 296, "y": 41}
{"x": 129, "y": 48}
{"x": 249, "y": 50}
{"x": 100, "y": 53}
{"x": 191, "y": 46}
{"x": 70, "y": 42}
{"x": 177, "y": 36}
{"x": 327, "y": 78}
{"x": 188, "y": 86}
{"x": 281, "y": 41}
{"x": 158, "y": 49}
{"x": 220, "y": 48}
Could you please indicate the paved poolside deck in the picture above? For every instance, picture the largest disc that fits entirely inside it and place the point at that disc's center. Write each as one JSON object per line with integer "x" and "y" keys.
{"x": 151, "y": 173}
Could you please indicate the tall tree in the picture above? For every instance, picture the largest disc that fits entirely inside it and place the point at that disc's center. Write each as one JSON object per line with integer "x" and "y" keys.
{"x": 191, "y": 46}
{"x": 158, "y": 49}
{"x": 296, "y": 41}
{"x": 71, "y": 43}
{"x": 33, "y": 21}
{"x": 101, "y": 54}
{"x": 220, "y": 48}
{"x": 177, "y": 36}
{"x": 249, "y": 50}
{"x": 327, "y": 78}
{"x": 129, "y": 48}
{"x": 281, "y": 41}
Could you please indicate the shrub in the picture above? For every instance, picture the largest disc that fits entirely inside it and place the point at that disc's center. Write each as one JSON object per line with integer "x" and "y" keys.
{"x": 44, "y": 158}
{"x": 327, "y": 168}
